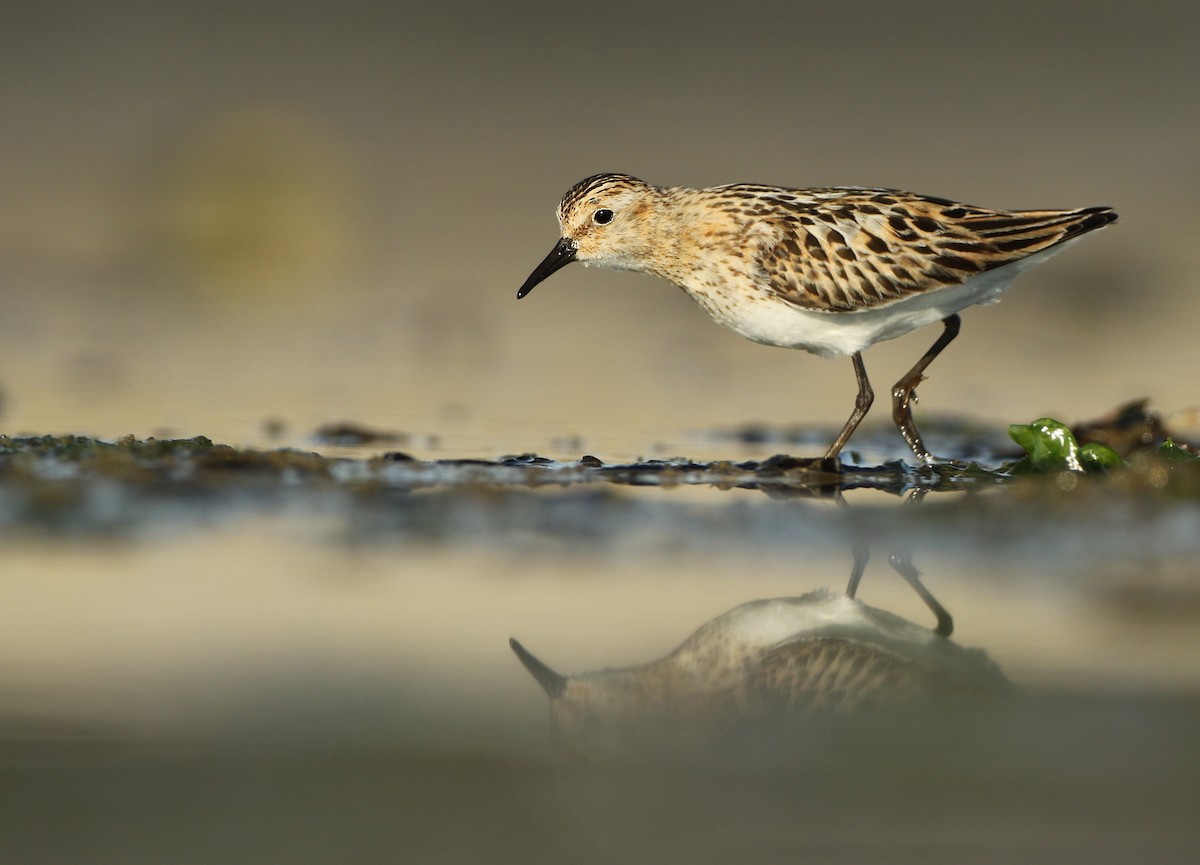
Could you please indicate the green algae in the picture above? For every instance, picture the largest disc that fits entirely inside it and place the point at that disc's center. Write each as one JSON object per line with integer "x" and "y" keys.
{"x": 1050, "y": 446}
{"x": 1052, "y": 450}
{"x": 1172, "y": 452}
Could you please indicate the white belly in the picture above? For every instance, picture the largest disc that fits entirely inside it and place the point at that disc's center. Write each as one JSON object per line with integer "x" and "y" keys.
{"x": 769, "y": 320}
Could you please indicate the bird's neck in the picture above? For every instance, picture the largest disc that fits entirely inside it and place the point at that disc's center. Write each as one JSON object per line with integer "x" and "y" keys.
{"x": 688, "y": 236}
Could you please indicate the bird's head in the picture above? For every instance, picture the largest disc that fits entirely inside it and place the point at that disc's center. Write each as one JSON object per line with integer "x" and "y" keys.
{"x": 604, "y": 221}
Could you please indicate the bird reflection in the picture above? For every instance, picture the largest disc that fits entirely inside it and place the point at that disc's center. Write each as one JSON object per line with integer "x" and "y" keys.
{"x": 770, "y": 661}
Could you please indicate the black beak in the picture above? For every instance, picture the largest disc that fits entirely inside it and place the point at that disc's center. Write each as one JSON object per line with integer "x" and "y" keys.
{"x": 559, "y": 257}
{"x": 552, "y": 683}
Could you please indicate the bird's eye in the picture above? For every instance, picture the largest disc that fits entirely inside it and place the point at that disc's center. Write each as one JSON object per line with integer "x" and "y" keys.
{"x": 602, "y": 217}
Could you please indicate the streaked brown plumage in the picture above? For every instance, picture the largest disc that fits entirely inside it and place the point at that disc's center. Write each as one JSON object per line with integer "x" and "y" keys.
{"x": 831, "y": 270}
{"x": 775, "y": 659}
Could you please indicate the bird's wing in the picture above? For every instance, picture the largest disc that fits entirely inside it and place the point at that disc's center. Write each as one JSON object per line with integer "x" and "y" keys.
{"x": 838, "y": 250}
{"x": 833, "y": 673}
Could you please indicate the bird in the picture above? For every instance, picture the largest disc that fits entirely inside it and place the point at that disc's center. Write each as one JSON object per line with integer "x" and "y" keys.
{"x": 821, "y": 654}
{"x": 829, "y": 270}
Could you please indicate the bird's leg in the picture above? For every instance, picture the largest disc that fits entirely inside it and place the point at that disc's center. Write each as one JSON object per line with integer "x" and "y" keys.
{"x": 862, "y": 404}
{"x": 901, "y": 562}
{"x": 905, "y": 390}
{"x": 861, "y": 551}
{"x": 862, "y": 554}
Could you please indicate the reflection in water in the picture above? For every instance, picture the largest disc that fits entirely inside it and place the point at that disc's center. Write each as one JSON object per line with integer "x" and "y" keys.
{"x": 901, "y": 561}
{"x": 763, "y": 663}
{"x": 770, "y": 661}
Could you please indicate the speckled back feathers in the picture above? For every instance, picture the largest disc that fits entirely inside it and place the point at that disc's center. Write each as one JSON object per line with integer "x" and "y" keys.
{"x": 845, "y": 249}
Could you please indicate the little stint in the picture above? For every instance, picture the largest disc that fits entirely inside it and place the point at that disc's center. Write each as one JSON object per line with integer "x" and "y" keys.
{"x": 831, "y": 271}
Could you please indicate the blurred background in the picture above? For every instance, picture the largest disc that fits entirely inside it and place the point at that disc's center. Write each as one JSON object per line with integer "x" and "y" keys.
{"x": 304, "y": 211}
{"x": 245, "y": 220}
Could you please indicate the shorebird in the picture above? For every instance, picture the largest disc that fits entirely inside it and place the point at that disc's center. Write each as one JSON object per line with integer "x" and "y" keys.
{"x": 831, "y": 270}
{"x": 769, "y": 660}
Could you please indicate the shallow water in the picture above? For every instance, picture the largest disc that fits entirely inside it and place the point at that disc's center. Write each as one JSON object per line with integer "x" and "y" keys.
{"x": 311, "y": 661}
